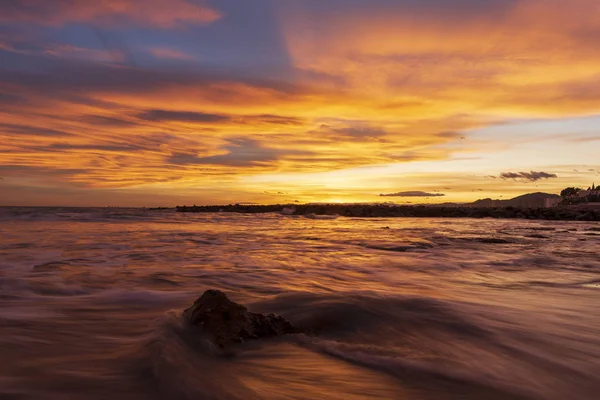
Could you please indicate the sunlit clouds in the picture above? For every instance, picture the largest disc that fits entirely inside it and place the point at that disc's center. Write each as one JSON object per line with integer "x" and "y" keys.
{"x": 156, "y": 13}
{"x": 111, "y": 103}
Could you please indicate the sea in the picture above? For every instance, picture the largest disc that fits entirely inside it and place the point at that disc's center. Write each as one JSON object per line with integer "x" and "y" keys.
{"x": 91, "y": 303}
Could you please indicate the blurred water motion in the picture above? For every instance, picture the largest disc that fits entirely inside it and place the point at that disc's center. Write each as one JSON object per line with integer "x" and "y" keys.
{"x": 428, "y": 309}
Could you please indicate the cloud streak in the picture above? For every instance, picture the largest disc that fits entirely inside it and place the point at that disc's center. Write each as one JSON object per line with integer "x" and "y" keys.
{"x": 182, "y": 116}
{"x": 195, "y": 117}
{"x": 158, "y": 13}
{"x": 412, "y": 194}
{"x": 531, "y": 176}
{"x": 237, "y": 153}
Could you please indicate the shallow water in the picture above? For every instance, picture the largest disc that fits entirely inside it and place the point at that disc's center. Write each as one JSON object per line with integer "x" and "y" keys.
{"x": 90, "y": 303}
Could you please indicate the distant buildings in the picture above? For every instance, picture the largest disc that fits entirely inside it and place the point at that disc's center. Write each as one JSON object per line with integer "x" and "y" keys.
{"x": 590, "y": 192}
{"x": 579, "y": 196}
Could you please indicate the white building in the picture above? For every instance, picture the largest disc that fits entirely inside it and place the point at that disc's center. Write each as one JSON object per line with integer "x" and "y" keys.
{"x": 591, "y": 191}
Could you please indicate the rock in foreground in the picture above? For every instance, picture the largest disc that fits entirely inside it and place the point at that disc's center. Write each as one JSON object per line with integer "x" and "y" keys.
{"x": 225, "y": 322}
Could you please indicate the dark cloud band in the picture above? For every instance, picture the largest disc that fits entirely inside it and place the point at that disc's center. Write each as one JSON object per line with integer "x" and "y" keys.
{"x": 531, "y": 176}
{"x": 412, "y": 194}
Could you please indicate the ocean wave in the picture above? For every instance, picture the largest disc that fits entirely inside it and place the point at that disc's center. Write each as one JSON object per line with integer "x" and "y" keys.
{"x": 178, "y": 364}
{"x": 475, "y": 385}
{"x": 321, "y": 217}
{"x": 367, "y": 313}
{"x": 423, "y": 310}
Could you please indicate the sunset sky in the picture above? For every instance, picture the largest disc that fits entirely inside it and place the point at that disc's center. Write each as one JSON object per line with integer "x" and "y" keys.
{"x": 156, "y": 102}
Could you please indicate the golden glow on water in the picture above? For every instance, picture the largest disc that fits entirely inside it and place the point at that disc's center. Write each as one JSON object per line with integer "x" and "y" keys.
{"x": 413, "y": 309}
{"x": 316, "y": 376}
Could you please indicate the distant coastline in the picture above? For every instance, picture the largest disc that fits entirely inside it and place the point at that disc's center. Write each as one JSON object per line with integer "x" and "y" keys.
{"x": 539, "y": 206}
{"x": 570, "y": 213}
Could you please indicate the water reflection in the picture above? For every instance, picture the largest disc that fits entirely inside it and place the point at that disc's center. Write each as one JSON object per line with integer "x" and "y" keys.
{"x": 425, "y": 309}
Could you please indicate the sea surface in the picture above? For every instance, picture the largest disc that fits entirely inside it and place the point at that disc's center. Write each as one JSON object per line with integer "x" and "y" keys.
{"x": 91, "y": 302}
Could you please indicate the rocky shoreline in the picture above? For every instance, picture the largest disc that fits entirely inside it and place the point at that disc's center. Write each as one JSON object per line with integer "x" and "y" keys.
{"x": 389, "y": 211}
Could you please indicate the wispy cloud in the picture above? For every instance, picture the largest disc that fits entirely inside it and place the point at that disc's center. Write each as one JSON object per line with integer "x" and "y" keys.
{"x": 159, "y": 13}
{"x": 182, "y": 116}
{"x": 237, "y": 153}
{"x": 65, "y": 50}
{"x": 196, "y": 117}
{"x": 27, "y": 130}
{"x": 170, "y": 54}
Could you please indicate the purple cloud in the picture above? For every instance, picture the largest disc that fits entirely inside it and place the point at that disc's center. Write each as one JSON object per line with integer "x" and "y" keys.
{"x": 531, "y": 176}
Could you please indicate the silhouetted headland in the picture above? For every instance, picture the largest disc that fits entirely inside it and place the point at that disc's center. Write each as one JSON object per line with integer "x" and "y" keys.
{"x": 581, "y": 213}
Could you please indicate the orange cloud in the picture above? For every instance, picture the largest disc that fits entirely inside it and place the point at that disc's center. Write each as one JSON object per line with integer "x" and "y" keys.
{"x": 379, "y": 99}
{"x": 159, "y": 13}
{"x": 475, "y": 56}
{"x": 135, "y": 128}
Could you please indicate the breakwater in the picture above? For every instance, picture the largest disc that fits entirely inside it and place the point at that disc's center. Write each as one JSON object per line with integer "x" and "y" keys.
{"x": 384, "y": 210}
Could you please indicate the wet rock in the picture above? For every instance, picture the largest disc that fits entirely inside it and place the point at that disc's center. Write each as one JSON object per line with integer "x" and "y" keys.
{"x": 500, "y": 213}
{"x": 585, "y": 217}
{"x": 225, "y": 322}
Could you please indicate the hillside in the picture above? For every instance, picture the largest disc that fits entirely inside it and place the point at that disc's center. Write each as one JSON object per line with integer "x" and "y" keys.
{"x": 530, "y": 200}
